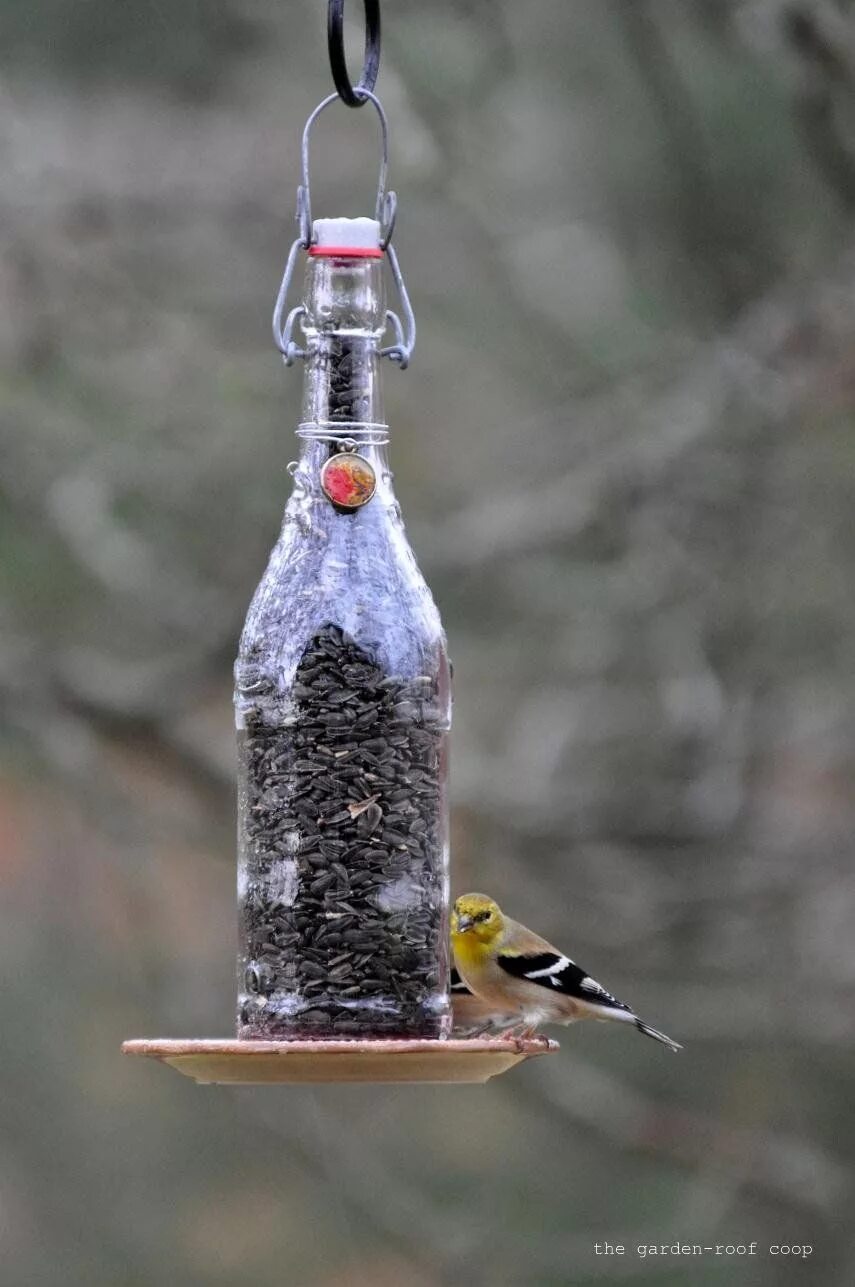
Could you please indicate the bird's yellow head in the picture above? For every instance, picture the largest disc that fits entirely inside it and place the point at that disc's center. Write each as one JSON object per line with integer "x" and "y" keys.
{"x": 476, "y": 916}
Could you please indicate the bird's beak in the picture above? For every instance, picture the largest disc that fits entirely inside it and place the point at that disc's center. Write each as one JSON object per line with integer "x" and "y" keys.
{"x": 464, "y": 923}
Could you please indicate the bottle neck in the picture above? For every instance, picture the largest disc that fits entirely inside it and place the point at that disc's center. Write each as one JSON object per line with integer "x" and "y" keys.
{"x": 343, "y": 321}
{"x": 341, "y": 388}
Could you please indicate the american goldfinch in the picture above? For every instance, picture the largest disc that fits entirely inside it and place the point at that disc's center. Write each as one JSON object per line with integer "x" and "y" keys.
{"x": 518, "y": 973}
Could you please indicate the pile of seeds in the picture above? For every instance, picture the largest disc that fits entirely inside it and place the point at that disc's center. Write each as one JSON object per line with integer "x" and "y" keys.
{"x": 343, "y": 865}
{"x": 348, "y": 395}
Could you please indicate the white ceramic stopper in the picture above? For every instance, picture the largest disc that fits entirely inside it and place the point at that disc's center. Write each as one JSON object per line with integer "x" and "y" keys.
{"x": 350, "y": 234}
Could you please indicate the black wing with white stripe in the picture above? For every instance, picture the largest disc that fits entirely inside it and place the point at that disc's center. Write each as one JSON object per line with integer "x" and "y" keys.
{"x": 458, "y": 987}
{"x": 560, "y": 974}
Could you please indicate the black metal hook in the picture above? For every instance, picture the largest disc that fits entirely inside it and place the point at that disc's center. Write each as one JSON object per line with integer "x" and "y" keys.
{"x": 354, "y": 96}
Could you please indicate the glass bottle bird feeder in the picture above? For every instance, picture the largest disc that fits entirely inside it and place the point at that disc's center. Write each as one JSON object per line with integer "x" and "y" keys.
{"x": 343, "y": 706}
{"x": 342, "y": 699}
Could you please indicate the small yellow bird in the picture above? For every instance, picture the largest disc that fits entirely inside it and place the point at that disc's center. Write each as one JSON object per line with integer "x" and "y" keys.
{"x": 520, "y": 975}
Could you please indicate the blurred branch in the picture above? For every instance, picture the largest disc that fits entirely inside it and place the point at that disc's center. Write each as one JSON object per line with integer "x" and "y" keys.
{"x": 78, "y": 509}
{"x": 367, "y": 1183}
{"x": 90, "y": 743}
{"x": 780, "y": 1166}
{"x": 762, "y": 369}
{"x": 822, "y": 1019}
{"x": 823, "y": 39}
{"x": 699, "y": 219}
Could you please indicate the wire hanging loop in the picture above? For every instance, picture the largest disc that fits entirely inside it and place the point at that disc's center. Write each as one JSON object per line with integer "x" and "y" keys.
{"x": 385, "y": 211}
{"x": 354, "y": 96}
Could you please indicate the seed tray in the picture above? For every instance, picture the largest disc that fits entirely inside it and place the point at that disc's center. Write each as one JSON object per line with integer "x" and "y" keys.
{"x": 245, "y": 1062}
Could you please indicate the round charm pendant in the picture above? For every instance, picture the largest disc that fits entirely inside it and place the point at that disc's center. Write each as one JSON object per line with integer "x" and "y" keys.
{"x": 348, "y": 481}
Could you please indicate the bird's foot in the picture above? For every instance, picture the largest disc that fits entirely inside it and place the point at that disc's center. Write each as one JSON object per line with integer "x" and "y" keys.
{"x": 522, "y": 1032}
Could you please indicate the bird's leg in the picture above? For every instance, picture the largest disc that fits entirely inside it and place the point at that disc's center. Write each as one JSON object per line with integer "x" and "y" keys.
{"x": 519, "y": 1028}
{"x": 489, "y": 1026}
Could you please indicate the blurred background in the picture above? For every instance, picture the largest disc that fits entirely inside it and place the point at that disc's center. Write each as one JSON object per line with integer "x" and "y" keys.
{"x": 625, "y": 455}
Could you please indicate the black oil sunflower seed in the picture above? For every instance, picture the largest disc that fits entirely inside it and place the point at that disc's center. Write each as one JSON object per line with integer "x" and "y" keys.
{"x": 342, "y": 842}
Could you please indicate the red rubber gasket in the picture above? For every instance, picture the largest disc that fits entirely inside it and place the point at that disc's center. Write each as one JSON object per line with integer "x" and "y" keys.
{"x": 345, "y": 252}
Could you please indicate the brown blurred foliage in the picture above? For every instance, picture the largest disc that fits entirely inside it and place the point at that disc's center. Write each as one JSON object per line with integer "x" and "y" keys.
{"x": 625, "y": 454}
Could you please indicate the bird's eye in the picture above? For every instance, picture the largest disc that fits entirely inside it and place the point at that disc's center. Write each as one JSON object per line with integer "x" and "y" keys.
{"x": 483, "y": 916}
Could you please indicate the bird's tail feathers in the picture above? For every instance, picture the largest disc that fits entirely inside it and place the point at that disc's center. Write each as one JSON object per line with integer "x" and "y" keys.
{"x": 657, "y": 1036}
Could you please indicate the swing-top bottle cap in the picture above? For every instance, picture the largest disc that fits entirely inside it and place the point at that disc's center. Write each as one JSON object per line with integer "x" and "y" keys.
{"x": 347, "y": 238}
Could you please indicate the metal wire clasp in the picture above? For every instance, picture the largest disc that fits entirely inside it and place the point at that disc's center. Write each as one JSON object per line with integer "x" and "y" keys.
{"x": 385, "y": 211}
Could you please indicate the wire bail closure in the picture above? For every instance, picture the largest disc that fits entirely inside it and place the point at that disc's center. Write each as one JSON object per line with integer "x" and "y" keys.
{"x": 400, "y": 351}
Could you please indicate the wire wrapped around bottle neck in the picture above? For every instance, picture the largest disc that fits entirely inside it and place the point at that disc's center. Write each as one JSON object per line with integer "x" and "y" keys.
{"x": 344, "y": 434}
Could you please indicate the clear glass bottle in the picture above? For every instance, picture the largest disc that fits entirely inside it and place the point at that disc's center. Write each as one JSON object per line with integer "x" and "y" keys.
{"x": 343, "y": 707}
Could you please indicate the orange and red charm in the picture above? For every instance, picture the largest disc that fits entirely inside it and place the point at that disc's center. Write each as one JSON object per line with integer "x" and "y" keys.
{"x": 348, "y": 481}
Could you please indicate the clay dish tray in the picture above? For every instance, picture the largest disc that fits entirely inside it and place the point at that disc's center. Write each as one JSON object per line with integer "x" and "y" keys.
{"x": 244, "y": 1063}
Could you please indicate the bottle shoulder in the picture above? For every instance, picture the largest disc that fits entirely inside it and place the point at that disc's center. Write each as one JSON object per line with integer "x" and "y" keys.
{"x": 356, "y": 571}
